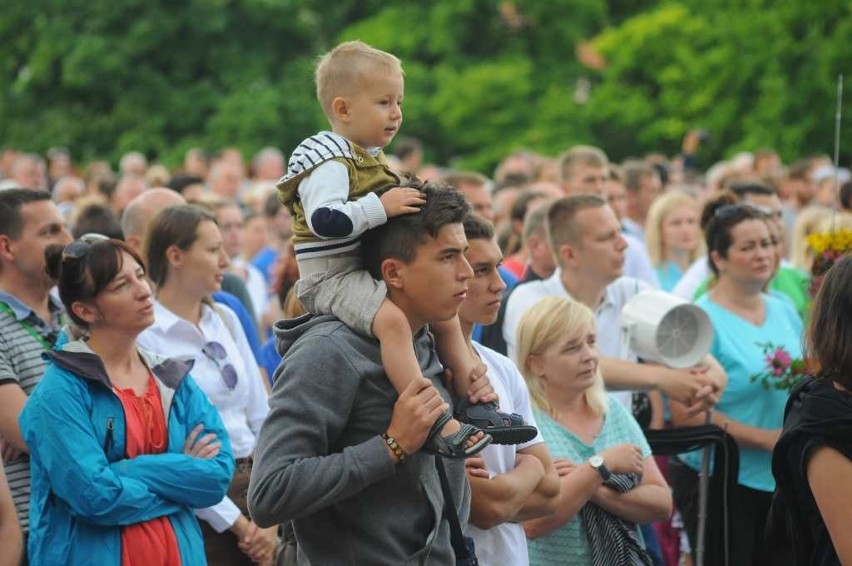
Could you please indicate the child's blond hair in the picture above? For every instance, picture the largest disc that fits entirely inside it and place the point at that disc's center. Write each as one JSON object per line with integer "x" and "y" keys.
{"x": 341, "y": 71}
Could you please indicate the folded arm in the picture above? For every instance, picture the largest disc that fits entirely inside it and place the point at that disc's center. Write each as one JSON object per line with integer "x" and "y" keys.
{"x": 649, "y": 501}
{"x": 58, "y": 424}
{"x": 185, "y": 479}
{"x": 577, "y": 485}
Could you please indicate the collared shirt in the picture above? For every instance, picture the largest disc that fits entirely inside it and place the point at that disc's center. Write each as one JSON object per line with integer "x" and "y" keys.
{"x": 637, "y": 262}
{"x": 21, "y": 363}
{"x": 607, "y": 316}
{"x": 635, "y": 229}
{"x": 242, "y": 409}
{"x": 22, "y": 312}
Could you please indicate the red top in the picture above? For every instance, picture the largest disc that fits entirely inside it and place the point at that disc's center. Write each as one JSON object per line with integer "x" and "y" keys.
{"x": 514, "y": 266}
{"x": 152, "y": 542}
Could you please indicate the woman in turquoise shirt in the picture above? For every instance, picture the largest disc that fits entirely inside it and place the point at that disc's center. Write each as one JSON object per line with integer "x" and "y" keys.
{"x": 609, "y": 481}
{"x": 745, "y": 319}
{"x": 673, "y": 236}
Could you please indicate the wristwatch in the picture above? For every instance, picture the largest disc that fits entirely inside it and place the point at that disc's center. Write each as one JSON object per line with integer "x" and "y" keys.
{"x": 597, "y": 463}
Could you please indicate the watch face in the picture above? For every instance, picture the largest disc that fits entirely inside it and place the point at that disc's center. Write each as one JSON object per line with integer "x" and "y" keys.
{"x": 596, "y": 461}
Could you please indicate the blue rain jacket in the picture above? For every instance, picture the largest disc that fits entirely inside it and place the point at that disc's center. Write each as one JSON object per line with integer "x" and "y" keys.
{"x": 84, "y": 488}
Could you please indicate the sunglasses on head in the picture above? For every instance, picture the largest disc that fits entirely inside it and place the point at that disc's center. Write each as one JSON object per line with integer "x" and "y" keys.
{"x": 79, "y": 248}
{"x": 728, "y": 211}
{"x": 216, "y": 352}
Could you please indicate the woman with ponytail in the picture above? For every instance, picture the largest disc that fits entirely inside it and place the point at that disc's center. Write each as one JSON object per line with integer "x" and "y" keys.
{"x": 123, "y": 443}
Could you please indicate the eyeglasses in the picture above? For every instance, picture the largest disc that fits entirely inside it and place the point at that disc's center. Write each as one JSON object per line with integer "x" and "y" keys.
{"x": 79, "y": 248}
{"x": 216, "y": 352}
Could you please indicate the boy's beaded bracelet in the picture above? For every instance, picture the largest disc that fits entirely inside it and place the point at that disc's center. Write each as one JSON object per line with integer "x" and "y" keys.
{"x": 395, "y": 447}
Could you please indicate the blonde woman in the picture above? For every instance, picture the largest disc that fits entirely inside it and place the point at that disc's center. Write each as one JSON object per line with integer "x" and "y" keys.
{"x": 673, "y": 236}
{"x": 609, "y": 481}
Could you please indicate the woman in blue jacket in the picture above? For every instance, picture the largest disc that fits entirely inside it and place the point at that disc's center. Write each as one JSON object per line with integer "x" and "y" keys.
{"x": 123, "y": 444}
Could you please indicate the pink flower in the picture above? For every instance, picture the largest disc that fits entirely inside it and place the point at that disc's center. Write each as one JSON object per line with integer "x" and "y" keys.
{"x": 782, "y": 357}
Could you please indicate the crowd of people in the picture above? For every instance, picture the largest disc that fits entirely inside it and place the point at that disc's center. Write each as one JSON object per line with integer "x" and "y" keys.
{"x": 357, "y": 357}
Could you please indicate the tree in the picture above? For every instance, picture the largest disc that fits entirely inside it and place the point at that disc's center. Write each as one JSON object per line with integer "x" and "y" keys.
{"x": 755, "y": 74}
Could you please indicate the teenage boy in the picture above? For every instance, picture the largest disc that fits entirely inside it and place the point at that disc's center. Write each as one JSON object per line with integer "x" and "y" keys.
{"x": 509, "y": 484}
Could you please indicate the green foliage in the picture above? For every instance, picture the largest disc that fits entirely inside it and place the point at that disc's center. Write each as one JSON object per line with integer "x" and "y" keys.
{"x": 755, "y": 74}
{"x": 482, "y": 77}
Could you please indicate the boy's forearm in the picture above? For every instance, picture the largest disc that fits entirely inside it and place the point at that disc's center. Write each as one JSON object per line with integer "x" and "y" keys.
{"x": 455, "y": 354}
{"x": 501, "y": 498}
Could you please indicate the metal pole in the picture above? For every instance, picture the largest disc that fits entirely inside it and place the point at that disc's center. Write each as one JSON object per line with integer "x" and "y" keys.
{"x": 703, "y": 495}
{"x": 837, "y": 116}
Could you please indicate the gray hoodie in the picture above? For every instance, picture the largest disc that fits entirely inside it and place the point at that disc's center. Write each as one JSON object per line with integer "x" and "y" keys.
{"x": 321, "y": 462}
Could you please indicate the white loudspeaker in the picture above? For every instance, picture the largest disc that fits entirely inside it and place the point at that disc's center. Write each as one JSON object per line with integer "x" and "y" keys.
{"x": 662, "y": 328}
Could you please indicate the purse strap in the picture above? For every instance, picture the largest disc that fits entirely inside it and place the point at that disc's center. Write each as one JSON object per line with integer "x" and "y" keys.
{"x": 457, "y": 538}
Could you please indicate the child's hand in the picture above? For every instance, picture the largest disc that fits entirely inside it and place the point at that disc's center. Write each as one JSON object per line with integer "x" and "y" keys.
{"x": 481, "y": 390}
{"x": 402, "y": 200}
{"x": 476, "y": 467}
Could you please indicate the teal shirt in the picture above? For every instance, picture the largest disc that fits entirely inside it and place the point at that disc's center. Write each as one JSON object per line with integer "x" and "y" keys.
{"x": 669, "y": 274}
{"x": 736, "y": 347}
{"x": 568, "y": 544}
{"x": 790, "y": 282}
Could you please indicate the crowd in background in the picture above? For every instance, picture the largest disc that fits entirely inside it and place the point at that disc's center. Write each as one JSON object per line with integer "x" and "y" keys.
{"x": 672, "y": 216}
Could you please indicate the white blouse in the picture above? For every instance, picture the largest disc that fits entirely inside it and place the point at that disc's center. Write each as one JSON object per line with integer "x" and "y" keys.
{"x": 243, "y": 408}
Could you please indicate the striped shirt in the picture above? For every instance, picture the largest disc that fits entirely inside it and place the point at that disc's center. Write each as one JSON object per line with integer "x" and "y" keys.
{"x": 21, "y": 363}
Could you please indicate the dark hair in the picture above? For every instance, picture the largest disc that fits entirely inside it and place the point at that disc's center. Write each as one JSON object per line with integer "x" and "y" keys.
{"x": 173, "y": 226}
{"x": 83, "y": 277}
{"x": 718, "y": 221}
{"x": 179, "y": 182}
{"x": 478, "y": 228}
{"x": 522, "y": 203}
{"x": 400, "y": 237}
{"x": 271, "y": 205}
{"x": 11, "y": 201}
{"x": 742, "y": 188}
{"x": 828, "y": 343}
{"x": 405, "y": 146}
{"x": 97, "y": 219}
{"x": 846, "y": 196}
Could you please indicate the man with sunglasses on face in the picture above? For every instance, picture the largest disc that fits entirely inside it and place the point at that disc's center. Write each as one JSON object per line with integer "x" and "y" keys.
{"x": 29, "y": 320}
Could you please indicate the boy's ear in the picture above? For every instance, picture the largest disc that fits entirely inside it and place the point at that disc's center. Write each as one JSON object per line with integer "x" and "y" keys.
{"x": 340, "y": 109}
{"x": 393, "y": 272}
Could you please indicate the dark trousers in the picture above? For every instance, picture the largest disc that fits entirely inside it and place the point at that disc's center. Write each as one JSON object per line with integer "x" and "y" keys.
{"x": 747, "y": 511}
{"x": 221, "y": 548}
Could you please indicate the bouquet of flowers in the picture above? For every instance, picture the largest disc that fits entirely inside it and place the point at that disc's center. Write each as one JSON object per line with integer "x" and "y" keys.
{"x": 782, "y": 371}
{"x": 828, "y": 248}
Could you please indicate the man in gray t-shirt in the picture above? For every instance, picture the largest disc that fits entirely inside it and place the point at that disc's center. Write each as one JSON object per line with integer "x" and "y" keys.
{"x": 29, "y": 320}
